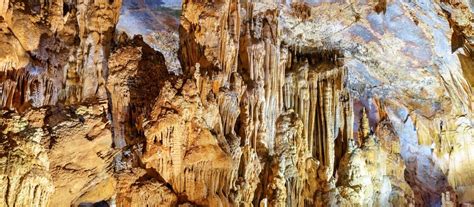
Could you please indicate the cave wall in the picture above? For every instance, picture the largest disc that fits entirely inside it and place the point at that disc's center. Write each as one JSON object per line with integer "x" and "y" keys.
{"x": 319, "y": 103}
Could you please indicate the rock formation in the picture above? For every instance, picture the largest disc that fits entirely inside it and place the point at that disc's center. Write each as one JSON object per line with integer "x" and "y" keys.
{"x": 236, "y": 103}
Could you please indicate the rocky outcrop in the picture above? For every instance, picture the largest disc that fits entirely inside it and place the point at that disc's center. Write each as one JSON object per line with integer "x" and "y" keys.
{"x": 81, "y": 155}
{"x": 265, "y": 103}
{"x": 181, "y": 147}
{"x": 25, "y": 177}
{"x": 136, "y": 188}
{"x": 56, "y": 156}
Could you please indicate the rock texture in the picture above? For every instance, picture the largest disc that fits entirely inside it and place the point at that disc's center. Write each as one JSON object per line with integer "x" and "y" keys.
{"x": 236, "y": 103}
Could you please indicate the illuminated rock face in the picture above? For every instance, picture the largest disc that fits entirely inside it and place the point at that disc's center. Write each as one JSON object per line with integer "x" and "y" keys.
{"x": 322, "y": 103}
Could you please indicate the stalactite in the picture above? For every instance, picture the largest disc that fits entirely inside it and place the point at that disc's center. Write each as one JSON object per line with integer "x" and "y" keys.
{"x": 315, "y": 93}
{"x": 364, "y": 129}
{"x": 262, "y": 114}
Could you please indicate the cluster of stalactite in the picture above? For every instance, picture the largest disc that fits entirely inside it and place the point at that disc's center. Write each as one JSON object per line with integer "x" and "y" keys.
{"x": 255, "y": 119}
{"x": 55, "y": 51}
{"x": 287, "y": 108}
{"x": 315, "y": 89}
